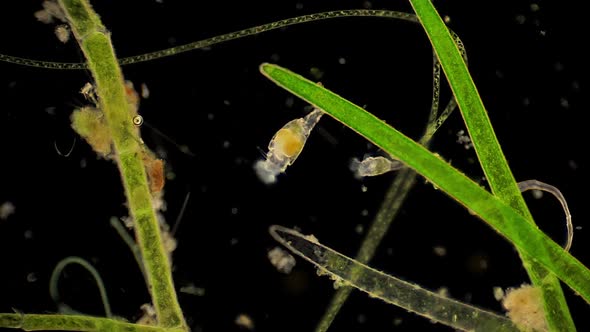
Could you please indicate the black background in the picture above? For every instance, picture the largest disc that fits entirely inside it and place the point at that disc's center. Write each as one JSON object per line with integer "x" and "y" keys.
{"x": 527, "y": 64}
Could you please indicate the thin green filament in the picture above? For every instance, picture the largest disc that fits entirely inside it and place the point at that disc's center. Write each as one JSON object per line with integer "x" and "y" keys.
{"x": 217, "y": 39}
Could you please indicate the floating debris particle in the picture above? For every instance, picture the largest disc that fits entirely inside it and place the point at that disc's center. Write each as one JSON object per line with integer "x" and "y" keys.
{"x": 281, "y": 260}
{"x": 245, "y": 321}
{"x": 191, "y": 289}
{"x": 62, "y": 32}
{"x": 440, "y": 251}
{"x": 6, "y": 210}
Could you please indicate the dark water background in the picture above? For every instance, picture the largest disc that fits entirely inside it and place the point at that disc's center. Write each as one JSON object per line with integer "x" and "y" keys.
{"x": 526, "y": 60}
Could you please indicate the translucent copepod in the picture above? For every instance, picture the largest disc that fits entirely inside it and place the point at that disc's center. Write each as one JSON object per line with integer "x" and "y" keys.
{"x": 373, "y": 166}
{"x": 285, "y": 146}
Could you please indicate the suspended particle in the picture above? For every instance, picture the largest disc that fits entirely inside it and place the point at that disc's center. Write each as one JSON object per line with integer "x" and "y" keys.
{"x": 440, "y": 251}
{"x": 498, "y": 293}
{"x": 281, "y": 260}
{"x": 51, "y": 10}
{"x": 145, "y": 92}
{"x": 191, "y": 289}
{"x": 62, "y": 32}
{"x": 464, "y": 139}
{"x": 285, "y": 146}
{"x": 6, "y": 210}
{"x": 31, "y": 277}
{"x": 359, "y": 229}
{"x": 245, "y": 321}
{"x": 361, "y": 318}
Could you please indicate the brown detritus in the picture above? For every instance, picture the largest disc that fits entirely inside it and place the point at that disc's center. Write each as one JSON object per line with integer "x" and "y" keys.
{"x": 132, "y": 98}
{"x": 525, "y": 308}
{"x": 51, "y": 10}
{"x": 154, "y": 168}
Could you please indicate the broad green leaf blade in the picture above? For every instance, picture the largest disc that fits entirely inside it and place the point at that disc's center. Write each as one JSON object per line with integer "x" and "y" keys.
{"x": 516, "y": 228}
{"x": 490, "y": 154}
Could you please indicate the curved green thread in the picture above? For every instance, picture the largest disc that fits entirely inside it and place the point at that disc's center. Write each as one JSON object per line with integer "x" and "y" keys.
{"x": 345, "y": 270}
{"x": 503, "y": 218}
{"x": 491, "y": 158}
{"x": 57, "y": 271}
{"x": 98, "y": 51}
{"x": 55, "y": 322}
{"x": 218, "y": 39}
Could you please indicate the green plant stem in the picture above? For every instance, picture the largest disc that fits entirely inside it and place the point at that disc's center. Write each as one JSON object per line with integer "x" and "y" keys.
{"x": 96, "y": 45}
{"x": 490, "y": 155}
{"x": 55, "y": 322}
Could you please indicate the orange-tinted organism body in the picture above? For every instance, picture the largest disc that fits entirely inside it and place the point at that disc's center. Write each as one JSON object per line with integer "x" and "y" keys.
{"x": 285, "y": 146}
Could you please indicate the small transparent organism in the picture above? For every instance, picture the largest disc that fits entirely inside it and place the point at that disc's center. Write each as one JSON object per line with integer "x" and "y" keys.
{"x": 373, "y": 166}
{"x": 285, "y": 146}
